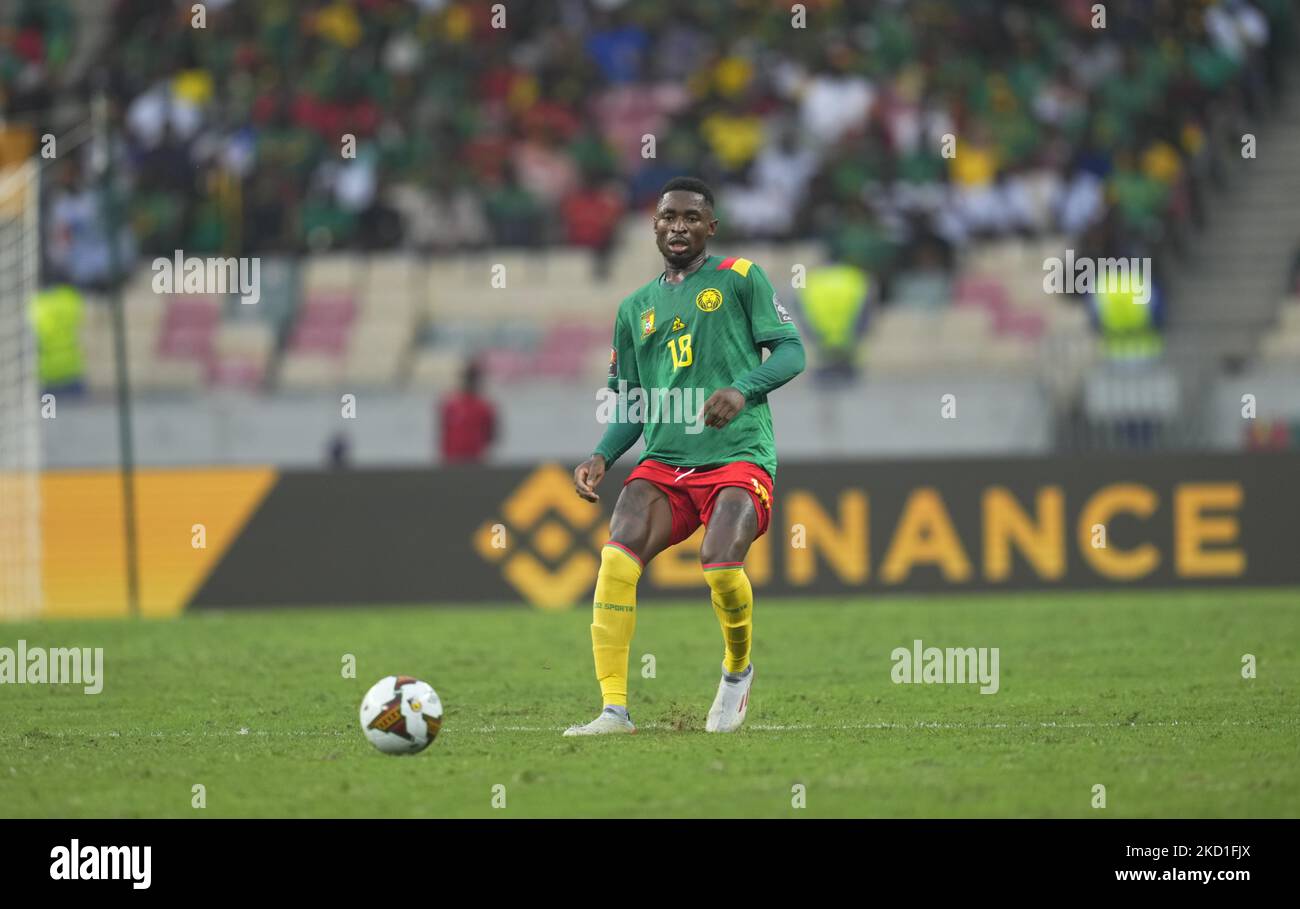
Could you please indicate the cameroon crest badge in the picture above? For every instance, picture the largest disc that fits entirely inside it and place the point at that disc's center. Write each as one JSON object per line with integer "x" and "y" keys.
{"x": 709, "y": 299}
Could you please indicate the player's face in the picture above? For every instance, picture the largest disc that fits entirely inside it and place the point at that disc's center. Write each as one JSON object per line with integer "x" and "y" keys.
{"x": 683, "y": 223}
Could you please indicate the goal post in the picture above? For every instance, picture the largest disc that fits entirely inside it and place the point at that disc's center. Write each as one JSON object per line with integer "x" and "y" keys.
{"x": 20, "y": 435}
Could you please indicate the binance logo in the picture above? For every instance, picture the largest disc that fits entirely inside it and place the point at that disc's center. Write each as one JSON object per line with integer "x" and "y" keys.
{"x": 552, "y": 534}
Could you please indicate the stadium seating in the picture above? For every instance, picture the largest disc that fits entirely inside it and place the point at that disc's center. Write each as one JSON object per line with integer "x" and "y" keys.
{"x": 390, "y": 321}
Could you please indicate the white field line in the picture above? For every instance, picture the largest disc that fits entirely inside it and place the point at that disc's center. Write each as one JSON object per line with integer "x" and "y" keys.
{"x": 666, "y": 727}
{"x": 849, "y": 727}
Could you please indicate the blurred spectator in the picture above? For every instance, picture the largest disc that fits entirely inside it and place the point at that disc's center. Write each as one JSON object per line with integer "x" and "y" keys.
{"x": 338, "y": 452}
{"x": 591, "y": 217}
{"x": 836, "y": 100}
{"x": 835, "y": 306}
{"x": 769, "y": 205}
{"x": 1133, "y": 393}
{"x": 56, "y": 316}
{"x": 618, "y": 50}
{"x": 442, "y": 217}
{"x": 1131, "y": 328}
{"x": 467, "y": 421}
{"x": 76, "y": 241}
{"x": 514, "y": 214}
{"x": 36, "y": 43}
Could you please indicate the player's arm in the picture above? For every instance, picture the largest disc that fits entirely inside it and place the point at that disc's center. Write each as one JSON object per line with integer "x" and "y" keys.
{"x": 774, "y": 329}
{"x": 785, "y": 360}
{"x": 619, "y": 436}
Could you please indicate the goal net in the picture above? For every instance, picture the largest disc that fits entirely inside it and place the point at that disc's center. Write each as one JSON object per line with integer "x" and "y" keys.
{"x": 20, "y": 442}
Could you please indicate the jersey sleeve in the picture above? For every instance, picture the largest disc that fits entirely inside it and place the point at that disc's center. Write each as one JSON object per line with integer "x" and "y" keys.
{"x": 622, "y": 355}
{"x": 769, "y": 320}
{"x": 786, "y": 362}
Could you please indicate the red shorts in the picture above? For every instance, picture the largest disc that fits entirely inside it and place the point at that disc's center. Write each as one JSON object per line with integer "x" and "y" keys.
{"x": 692, "y": 494}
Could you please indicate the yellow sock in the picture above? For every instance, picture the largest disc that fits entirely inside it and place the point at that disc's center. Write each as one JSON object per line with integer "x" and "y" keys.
{"x": 614, "y": 620}
{"x": 733, "y": 603}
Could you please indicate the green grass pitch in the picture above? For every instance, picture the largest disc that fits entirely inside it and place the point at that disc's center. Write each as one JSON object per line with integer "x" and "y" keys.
{"x": 1141, "y": 692}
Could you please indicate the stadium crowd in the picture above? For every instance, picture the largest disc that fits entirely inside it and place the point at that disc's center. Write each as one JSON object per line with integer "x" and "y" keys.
{"x": 924, "y": 155}
{"x": 890, "y": 130}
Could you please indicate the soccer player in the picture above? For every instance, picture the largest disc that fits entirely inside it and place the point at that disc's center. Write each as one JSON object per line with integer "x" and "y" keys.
{"x": 697, "y": 329}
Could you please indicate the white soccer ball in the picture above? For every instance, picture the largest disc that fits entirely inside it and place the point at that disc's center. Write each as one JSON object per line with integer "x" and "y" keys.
{"x": 401, "y": 715}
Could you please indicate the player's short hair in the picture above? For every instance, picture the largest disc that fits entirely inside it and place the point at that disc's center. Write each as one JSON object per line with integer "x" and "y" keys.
{"x": 690, "y": 185}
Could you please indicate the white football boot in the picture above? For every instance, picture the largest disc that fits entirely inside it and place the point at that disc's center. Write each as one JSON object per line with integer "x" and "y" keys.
{"x": 609, "y": 722}
{"x": 728, "y": 710}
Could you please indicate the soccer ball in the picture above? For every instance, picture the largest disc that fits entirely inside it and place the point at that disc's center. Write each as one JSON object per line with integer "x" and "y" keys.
{"x": 401, "y": 715}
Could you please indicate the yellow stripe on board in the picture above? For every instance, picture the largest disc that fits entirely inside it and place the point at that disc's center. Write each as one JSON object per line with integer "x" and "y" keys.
{"x": 84, "y": 570}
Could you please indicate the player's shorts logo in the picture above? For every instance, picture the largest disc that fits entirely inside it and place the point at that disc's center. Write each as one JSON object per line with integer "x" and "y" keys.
{"x": 648, "y": 322}
{"x": 709, "y": 299}
{"x": 761, "y": 492}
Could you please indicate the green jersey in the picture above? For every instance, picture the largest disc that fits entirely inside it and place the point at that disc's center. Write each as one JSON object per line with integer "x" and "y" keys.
{"x": 679, "y": 343}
